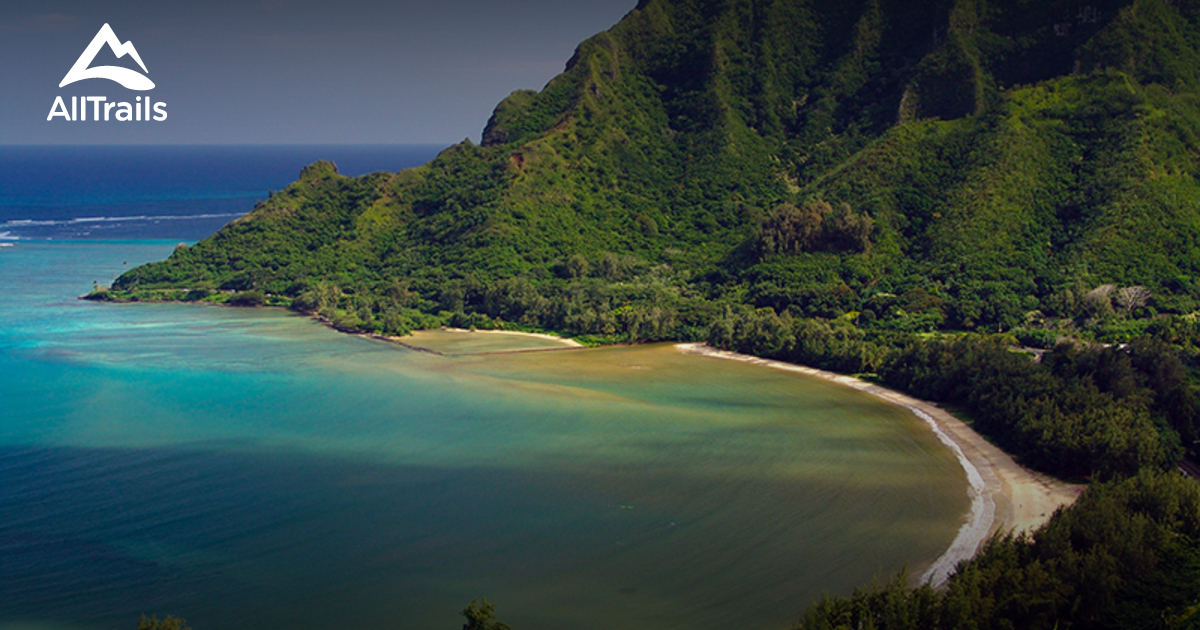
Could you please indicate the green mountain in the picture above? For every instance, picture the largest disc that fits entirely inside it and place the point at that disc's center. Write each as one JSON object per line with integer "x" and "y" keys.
{"x": 918, "y": 165}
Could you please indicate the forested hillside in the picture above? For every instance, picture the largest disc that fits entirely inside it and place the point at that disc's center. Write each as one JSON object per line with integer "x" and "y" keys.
{"x": 912, "y": 165}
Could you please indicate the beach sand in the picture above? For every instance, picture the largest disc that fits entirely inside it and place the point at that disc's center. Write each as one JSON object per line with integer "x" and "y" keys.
{"x": 570, "y": 343}
{"x": 1004, "y": 495}
{"x": 460, "y": 341}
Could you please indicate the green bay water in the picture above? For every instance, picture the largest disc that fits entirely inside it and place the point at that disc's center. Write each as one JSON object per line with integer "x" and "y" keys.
{"x": 252, "y": 468}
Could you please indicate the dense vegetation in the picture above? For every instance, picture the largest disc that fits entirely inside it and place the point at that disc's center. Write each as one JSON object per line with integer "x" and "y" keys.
{"x": 1078, "y": 413}
{"x": 1124, "y": 557}
{"x": 910, "y": 165}
{"x": 900, "y": 187}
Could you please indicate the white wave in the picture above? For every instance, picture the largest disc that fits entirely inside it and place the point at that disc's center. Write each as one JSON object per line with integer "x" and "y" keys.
{"x": 20, "y": 223}
{"x": 7, "y": 236}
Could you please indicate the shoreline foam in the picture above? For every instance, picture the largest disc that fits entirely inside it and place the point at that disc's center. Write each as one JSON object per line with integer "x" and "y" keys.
{"x": 1004, "y": 495}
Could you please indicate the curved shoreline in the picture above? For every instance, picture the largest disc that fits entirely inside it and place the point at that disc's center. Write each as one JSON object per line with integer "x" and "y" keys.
{"x": 1004, "y": 495}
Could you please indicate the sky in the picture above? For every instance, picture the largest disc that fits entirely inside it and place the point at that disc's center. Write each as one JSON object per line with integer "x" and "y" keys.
{"x": 289, "y": 71}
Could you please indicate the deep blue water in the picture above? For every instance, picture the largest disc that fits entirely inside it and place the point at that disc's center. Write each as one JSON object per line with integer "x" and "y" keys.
{"x": 170, "y": 192}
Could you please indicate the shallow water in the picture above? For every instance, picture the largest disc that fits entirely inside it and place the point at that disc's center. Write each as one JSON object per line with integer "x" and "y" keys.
{"x": 249, "y": 468}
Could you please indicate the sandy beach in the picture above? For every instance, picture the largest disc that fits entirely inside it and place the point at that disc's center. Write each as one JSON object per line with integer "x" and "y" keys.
{"x": 571, "y": 343}
{"x": 414, "y": 341}
{"x": 1004, "y": 495}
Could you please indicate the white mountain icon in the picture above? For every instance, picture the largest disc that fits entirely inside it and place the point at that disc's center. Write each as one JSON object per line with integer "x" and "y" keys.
{"x": 126, "y": 77}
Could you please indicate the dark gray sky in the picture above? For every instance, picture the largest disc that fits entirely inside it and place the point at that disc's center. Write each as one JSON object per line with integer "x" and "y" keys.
{"x": 290, "y": 71}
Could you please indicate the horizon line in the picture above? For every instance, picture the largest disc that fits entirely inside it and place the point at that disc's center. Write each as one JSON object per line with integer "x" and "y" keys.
{"x": 231, "y": 144}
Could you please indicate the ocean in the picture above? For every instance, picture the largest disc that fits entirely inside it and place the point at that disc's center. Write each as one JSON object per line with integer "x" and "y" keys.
{"x": 244, "y": 468}
{"x": 146, "y": 192}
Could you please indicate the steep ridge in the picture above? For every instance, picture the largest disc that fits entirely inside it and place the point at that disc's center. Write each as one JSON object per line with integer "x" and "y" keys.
{"x": 929, "y": 165}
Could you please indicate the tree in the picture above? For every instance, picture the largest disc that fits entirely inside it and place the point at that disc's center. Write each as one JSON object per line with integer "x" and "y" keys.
{"x": 792, "y": 230}
{"x": 1132, "y": 298}
{"x": 167, "y": 623}
{"x": 480, "y": 616}
{"x": 1099, "y": 300}
{"x": 577, "y": 266}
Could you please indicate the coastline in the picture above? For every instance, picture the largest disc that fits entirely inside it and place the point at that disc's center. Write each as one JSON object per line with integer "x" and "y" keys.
{"x": 1005, "y": 496}
{"x": 566, "y": 342}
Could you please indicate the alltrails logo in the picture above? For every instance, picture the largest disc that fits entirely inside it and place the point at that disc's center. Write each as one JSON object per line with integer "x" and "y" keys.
{"x": 138, "y": 110}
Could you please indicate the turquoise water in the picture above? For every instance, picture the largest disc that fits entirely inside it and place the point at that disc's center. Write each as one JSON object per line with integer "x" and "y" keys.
{"x": 250, "y": 468}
